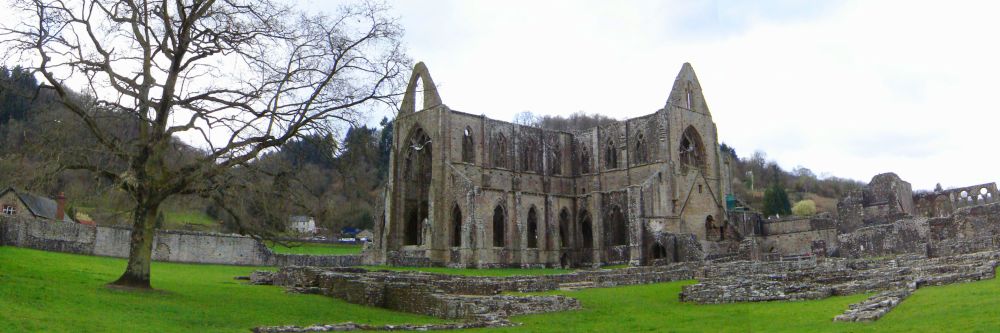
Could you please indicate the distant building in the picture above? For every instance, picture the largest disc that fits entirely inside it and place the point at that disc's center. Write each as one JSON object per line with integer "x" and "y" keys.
{"x": 302, "y": 224}
{"x": 14, "y": 202}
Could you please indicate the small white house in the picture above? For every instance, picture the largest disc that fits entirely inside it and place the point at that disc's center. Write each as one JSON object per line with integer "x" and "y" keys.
{"x": 303, "y": 224}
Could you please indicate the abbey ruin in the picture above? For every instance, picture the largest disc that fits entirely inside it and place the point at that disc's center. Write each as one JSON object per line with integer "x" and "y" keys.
{"x": 469, "y": 191}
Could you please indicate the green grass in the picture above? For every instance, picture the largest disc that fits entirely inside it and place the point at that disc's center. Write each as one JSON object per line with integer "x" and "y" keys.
{"x": 473, "y": 271}
{"x": 965, "y": 307}
{"x": 185, "y": 220}
{"x": 315, "y": 248}
{"x": 55, "y": 292}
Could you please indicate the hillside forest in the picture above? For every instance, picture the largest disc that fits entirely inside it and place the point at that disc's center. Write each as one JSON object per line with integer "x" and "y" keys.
{"x": 335, "y": 177}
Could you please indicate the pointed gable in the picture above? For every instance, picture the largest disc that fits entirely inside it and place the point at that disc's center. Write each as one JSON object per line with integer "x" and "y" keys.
{"x": 686, "y": 93}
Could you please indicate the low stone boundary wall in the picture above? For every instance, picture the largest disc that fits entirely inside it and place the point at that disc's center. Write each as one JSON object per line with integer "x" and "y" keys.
{"x": 283, "y": 260}
{"x": 479, "y": 301}
{"x": 168, "y": 245}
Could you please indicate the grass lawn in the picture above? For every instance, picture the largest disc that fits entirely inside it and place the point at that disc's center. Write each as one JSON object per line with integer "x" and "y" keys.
{"x": 315, "y": 248}
{"x": 55, "y": 292}
{"x": 475, "y": 272}
{"x": 52, "y": 292}
{"x": 189, "y": 220}
{"x": 966, "y": 307}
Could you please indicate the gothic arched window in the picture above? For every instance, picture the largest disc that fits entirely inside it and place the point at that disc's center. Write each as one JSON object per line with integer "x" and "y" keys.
{"x": 498, "y": 151}
{"x": 468, "y": 148}
{"x": 611, "y": 155}
{"x": 499, "y": 226}
{"x": 691, "y": 150}
{"x": 641, "y": 151}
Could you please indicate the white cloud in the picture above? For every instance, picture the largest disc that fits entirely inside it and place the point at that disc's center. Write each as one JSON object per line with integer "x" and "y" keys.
{"x": 852, "y": 89}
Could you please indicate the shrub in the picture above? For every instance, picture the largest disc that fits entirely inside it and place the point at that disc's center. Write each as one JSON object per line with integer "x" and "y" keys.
{"x": 804, "y": 208}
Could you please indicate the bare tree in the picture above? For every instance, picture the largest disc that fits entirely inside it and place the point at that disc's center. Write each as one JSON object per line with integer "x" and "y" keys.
{"x": 234, "y": 78}
{"x": 526, "y": 118}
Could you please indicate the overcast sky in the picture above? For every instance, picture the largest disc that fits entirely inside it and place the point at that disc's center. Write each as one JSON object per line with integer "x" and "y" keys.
{"x": 849, "y": 89}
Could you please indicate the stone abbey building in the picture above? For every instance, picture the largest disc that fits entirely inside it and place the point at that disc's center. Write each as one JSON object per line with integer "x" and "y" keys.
{"x": 469, "y": 191}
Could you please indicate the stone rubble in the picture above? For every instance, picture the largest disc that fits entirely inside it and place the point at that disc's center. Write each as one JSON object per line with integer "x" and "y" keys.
{"x": 873, "y": 308}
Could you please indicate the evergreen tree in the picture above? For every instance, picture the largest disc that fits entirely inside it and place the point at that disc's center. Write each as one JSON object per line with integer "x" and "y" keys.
{"x": 384, "y": 148}
{"x": 776, "y": 201}
{"x": 17, "y": 87}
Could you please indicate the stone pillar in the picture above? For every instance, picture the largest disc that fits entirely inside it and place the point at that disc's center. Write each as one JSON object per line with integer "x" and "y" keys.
{"x": 635, "y": 225}
{"x": 597, "y": 229}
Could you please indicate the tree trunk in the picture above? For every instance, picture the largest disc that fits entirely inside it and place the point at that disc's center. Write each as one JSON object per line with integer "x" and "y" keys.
{"x": 140, "y": 247}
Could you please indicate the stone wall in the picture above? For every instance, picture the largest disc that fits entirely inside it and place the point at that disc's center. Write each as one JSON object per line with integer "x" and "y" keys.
{"x": 970, "y": 229}
{"x": 885, "y": 199}
{"x": 943, "y": 203}
{"x": 903, "y": 236}
{"x": 48, "y": 236}
{"x": 168, "y": 245}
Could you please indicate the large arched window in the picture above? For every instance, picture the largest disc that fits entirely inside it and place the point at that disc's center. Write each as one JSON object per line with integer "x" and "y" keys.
{"x": 611, "y": 155}
{"x": 499, "y": 226}
{"x": 456, "y": 226}
{"x": 416, "y": 185}
{"x": 555, "y": 159}
{"x": 584, "y": 160}
{"x": 468, "y": 146}
{"x": 529, "y": 154}
{"x": 691, "y": 149}
{"x": 532, "y": 228}
{"x": 615, "y": 227}
{"x": 641, "y": 151}
{"x": 498, "y": 151}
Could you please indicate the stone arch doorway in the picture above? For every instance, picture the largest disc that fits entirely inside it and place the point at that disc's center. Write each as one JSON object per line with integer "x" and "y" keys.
{"x": 587, "y": 235}
{"x": 565, "y": 229}
{"x": 416, "y": 179}
{"x": 658, "y": 251}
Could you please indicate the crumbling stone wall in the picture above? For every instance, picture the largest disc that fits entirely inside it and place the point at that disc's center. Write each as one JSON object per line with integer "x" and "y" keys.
{"x": 885, "y": 199}
{"x": 970, "y": 229}
{"x": 749, "y": 281}
{"x": 901, "y": 237}
{"x": 943, "y": 203}
{"x": 795, "y": 236}
{"x": 461, "y": 297}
